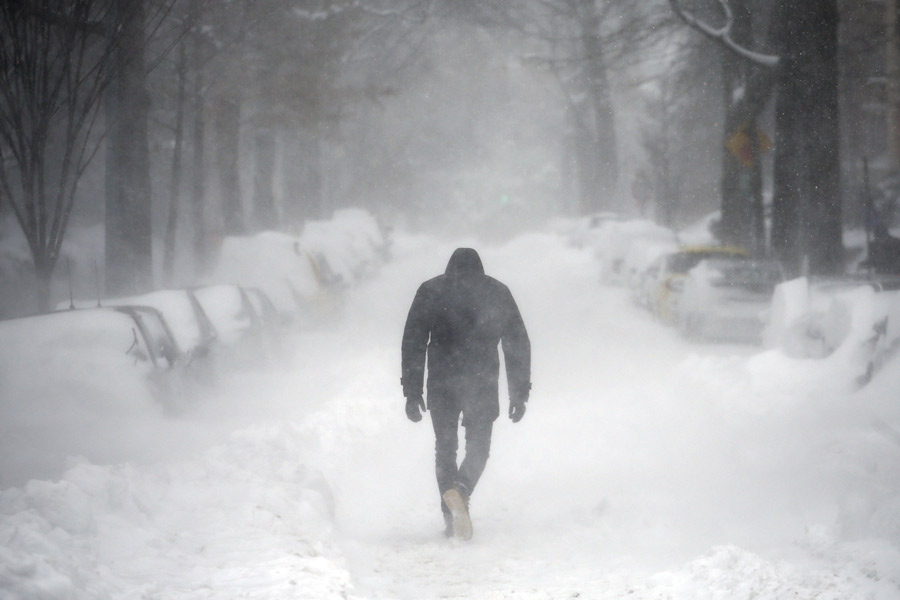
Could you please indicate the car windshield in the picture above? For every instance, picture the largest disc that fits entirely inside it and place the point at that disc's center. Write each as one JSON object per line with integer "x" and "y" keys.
{"x": 753, "y": 274}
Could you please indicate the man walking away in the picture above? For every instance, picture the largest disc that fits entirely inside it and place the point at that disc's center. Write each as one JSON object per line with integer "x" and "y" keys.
{"x": 457, "y": 320}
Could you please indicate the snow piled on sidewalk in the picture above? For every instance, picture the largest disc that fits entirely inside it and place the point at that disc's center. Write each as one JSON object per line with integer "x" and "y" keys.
{"x": 247, "y": 520}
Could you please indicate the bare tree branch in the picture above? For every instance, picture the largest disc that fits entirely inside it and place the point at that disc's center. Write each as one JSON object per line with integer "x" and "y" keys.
{"x": 722, "y": 35}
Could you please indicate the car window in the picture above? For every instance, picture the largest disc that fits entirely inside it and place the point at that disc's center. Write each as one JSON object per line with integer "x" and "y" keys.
{"x": 753, "y": 275}
{"x": 158, "y": 335}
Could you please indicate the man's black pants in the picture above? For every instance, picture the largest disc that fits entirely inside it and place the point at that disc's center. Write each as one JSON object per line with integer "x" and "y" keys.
{"x": 445, "y": 419}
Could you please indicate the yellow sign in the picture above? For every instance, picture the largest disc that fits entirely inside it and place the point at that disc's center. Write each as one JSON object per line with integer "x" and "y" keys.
{"x": 739, "y": 145}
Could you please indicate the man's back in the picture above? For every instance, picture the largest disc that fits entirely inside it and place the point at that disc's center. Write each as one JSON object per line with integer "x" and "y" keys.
{"x": 461, "y": 317}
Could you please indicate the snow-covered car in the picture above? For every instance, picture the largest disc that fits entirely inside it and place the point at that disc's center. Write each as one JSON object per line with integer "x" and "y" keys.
{"x": 235, "y": 313}
{"x": 614, "y": 240}
{"x": 728, "y": 298}
{"x": 159, "y": 343}
{"x": 639, "y": 264}
{"x": 130, "y": 343}
{"x": 271, "y": 340}
{"x": 273, "y": 262}
{"x": 665, "y": 281}
{"x": 325, "y": 275}
{"x": 264, "y": 307}
{"x": 184, "y": 316}
{"x": 230, "y": 310}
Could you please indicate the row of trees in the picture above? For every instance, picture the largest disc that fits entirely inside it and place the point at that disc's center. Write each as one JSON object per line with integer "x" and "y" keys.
{"x": 778, "y": 68}
{"x": 187, "y": 104}
{"x": 147, "y": 84}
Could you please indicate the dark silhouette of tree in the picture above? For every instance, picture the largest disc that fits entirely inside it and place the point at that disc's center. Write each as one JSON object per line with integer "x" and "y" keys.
{"x": 57, "y": 58}
{"x": 129, "y": 256}
{"x": 806, "y": 216}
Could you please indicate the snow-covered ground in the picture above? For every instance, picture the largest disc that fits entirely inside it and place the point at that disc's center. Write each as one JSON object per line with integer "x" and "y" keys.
{"x": 644, "y": 468}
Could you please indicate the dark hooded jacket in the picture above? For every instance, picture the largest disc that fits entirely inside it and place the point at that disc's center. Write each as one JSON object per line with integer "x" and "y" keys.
{"x": 458, "y": 319}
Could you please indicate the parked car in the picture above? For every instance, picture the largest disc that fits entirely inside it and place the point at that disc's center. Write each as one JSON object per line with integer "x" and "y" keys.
{"x": 245, "y": 336}
{"x": 230, "y": 310}
{"x": 728, "y": 298}
{"x": 665, "y": 280}
{"x": 641, "y": 261}
{"x": 264, "y": 307}
{"x": 128, "y": 342}
{"x": 159, "y": 344}
{"x": 184, "y": 315}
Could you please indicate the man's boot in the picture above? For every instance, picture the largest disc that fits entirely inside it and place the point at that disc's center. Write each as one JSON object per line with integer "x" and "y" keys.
{"x": 458, "y": 503}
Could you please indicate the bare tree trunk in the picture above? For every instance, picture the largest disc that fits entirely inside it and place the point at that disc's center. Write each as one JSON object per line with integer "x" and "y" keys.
{"x": 892, "y": 67}
{"x": 129, "y": 261}
{"x": 265, "y": 212}
{"x": 606, "y": 170}
{"x": 741, "y": 167}
{"x": 227, "y": 123}
{"x": 585, "y": 160}
{"x": 43, "y": 270}
{"x": 826, "y": 249}
{"x": 317, "y": 201}
{"x": 292, "y": 181}
{"x": 807, "y": 227}
{"x": 175, "y": 187}
{"x": 198, "y": 172}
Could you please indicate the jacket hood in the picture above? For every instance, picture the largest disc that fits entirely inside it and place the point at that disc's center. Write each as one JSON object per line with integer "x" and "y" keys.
{"x": 465, "y": 262}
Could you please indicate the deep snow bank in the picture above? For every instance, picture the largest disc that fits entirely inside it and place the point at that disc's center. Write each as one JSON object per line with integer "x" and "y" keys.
{"x": 246, "y": 520}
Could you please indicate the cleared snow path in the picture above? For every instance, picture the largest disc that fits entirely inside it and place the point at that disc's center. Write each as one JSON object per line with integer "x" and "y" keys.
{"x": 644, "y": 468}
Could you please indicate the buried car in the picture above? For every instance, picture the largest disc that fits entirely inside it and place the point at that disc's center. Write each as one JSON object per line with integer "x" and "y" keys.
{"x": 728, "y": 298}
{"x": 244, "y": 318}
{"x": 184, "y": 317}
{"x": 87, "y": 348}
{"x": 666, "y": 279}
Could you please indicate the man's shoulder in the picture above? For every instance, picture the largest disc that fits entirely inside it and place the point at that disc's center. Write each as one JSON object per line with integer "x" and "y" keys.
{"x": 432, "y": 284}
{"x": 496, "y": 284}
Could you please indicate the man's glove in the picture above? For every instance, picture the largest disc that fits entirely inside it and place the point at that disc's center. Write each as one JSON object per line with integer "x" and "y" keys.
{"x": 413, "y": 405}
{"x": 517, "y": 408}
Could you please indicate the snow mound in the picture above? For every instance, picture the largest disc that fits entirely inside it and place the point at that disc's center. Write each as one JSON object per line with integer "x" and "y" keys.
{"x": 613, "y": 240}
{"x": 351, "y": 242}
{"x": 733, "y": 573}
{"x": 274, "y": 262}
{"x": 247, "y": 520}
{"x": 294, "y": 270}
{"x": 840, "y": 330}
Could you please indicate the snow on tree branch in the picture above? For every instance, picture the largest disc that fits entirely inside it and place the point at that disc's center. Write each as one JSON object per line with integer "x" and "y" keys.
{"x": 723, "y": 34}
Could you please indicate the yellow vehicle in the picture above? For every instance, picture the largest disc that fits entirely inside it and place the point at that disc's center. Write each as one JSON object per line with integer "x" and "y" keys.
{"x": 665, "y": 277}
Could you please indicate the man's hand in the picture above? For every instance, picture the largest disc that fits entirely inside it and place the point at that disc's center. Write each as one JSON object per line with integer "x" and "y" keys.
{"x": 415, "y": 404}
{"x": 516, "y": 409}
